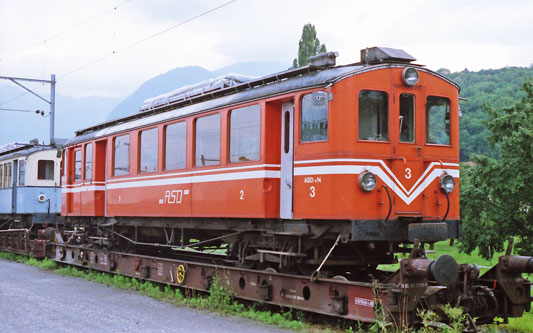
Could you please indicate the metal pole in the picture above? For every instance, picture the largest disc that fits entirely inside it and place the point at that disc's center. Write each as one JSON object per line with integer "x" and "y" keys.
{"x": 52, "y": 107}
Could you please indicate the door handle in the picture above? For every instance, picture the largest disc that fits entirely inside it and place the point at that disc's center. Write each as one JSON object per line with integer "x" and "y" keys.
{"x": 289, "y": 184}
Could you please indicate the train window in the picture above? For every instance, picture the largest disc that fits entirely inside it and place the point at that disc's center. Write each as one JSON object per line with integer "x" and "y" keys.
{"x": 438, "y": 120}
{"x": 314, "y": 117}
{"x": 22, "y": 172}
{"x": 8, "y": 171}
{"x": 45, "y": 169}
{"x": 207, "y": 151}
{"x": 245, "y": 134}
{"x": 373, "y": 115}
{"x": 175, "y": 146}
{"x": 407, "y": 118}
{"x": 77, "y": 165}
{"x": 1, "y": 175}
{"x": 121, "y": 156}
{"x": 89, "y": 161}
{"x": 148, "y": 162}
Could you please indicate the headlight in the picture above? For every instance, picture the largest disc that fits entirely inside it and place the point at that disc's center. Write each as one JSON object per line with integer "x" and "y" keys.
{"x": 368, "y": 181}
{"x": 409, "y": 76}
{"x": 447, "y": 183}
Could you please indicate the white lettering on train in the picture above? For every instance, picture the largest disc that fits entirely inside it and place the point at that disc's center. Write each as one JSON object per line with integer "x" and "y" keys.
{"x": 173, "y": 196}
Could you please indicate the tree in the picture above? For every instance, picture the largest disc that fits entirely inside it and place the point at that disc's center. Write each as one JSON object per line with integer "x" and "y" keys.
{"x": 496, "y": 194}
{"x": 308, "y": 46}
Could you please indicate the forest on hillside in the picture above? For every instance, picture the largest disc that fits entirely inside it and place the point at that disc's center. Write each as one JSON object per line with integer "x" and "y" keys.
{"x": 496, "y": 88}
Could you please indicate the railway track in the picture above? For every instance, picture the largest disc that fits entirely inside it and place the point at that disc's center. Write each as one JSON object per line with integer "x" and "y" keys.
{"x": 418, "y": 284}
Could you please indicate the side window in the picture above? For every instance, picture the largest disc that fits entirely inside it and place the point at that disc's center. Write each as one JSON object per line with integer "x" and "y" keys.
{"x": 1, "y": 175}
{"x": 175, "y": 146}
{"x": 9, "y": 173}
{"x": 207, "y": 141}
{"x": 438, "y": 120}
{"x": 148, "y": 160}
{"x": 77, "y": 165}
{"x": 245, "y": 134}
{"x": 22, "y": 172}
{"x": 373, "y": 115}
{"x": 89, "y": 161}
{"x": 121, "y": 156}
{"x": 407, "y": 118}
{"x": 314, "y": 117}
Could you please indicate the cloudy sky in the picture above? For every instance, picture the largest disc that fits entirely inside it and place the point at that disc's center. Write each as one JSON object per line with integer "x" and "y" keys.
{"x": 110, "y": 47}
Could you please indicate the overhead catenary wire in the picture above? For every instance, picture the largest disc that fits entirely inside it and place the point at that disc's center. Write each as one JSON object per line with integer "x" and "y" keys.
{"x": 75, "y": 26}
{"x": 146, "y": 38}
{"x": 129, "y": 46}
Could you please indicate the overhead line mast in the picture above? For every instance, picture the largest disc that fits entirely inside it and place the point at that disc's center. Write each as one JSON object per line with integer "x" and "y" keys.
{"x": 51, "y": 102}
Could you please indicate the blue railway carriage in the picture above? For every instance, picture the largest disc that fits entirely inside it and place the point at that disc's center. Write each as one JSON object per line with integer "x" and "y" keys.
{"x": 30, "y": 191}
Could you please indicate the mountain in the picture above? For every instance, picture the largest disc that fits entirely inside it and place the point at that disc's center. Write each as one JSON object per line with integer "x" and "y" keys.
{"x": 183, "y": 76}
{"x": 71, "y": 115}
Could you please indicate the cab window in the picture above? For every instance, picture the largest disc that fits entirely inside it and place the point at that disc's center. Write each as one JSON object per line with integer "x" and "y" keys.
{"x": 121, "y": 160}
{"x": 245, "y": 134}
{"x": 407, "y": 118}
{"x": 314, "y": 117}
{"x": 373, "y": 115}
{"x": 45, "y": 169}
{"x": 438, "y": 120}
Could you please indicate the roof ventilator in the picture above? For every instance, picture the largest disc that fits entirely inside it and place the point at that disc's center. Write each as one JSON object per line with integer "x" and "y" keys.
{"x": 377, "y": 55}
{"x": 324, "y": 59}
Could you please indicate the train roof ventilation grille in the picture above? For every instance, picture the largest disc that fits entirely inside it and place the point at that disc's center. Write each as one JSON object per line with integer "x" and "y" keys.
{"x": 377, "y": 55}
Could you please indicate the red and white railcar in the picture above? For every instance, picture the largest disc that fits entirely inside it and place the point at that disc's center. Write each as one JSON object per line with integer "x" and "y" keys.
{"x": 279, "y": 167}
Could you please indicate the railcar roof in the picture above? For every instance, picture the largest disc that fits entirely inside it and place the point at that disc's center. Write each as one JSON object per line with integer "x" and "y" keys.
{"x": 273, "y": 85}
{"x": 21, "y": 151}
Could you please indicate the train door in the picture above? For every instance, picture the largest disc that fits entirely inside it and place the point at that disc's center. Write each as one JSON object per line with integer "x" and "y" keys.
{"x": 100, "y": 174}
{"x": 408, "y": 164}
{"x": 287, "y": 157}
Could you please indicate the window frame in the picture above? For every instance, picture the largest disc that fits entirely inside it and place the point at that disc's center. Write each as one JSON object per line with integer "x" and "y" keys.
{"x": 195, "y": 141}
{"x": 229, "y": 136}
{"x": 9, "y": 174}
{"x": 74, "y": 165}
{"x": 414, "y": 118}
{"x": 164, "y": 151}
{"x": 139, "y": 150}
{"x": 85, "y": 162}
{"x": 301, "y": 98}
{"x": 46, "y": 163}
{"x": 21, "y": 163}
{"x": 387, "y": 93}
{"x": 426, "y": 136}
{"x": 114, "y": 155}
